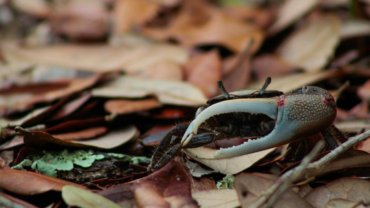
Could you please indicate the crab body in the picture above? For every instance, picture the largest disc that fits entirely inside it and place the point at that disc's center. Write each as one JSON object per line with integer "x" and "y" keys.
{"x": 300, "y": 113}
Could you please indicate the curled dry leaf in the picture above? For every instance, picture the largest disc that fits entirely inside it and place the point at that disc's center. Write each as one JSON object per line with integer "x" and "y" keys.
{"x": 74, "y": 196}
{"x": 350, "y": 189}
{"x": 229, "y": 165}
{"x": 121, "y": 106}
{"x": 312, "y": 54}
{"x": 97, "y": 57}
{"x": 250, "y": 186}
{"x": 290, "y": 11}
{"x": 203, "y": 71}
{"x": 167, "y": 92}
{"x": 217, "y": 198}
{"x": 29, "y": 183}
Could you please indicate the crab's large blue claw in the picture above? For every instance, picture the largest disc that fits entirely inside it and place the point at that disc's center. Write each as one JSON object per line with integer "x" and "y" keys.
{"x": 301, "y": 113}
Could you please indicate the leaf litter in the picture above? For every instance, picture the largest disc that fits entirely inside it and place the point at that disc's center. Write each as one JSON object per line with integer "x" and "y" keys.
{"x": 90, "y": 88}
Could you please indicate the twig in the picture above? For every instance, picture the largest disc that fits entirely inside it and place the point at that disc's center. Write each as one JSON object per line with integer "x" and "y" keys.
{"x": 272, "y": 195}
{"x": 274, "y": 192}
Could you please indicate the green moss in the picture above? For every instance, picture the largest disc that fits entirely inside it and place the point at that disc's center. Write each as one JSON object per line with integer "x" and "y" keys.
{"x": 50, "y": 162}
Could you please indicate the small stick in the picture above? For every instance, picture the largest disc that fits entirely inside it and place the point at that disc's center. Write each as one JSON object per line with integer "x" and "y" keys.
{"x": 272, "y": 195}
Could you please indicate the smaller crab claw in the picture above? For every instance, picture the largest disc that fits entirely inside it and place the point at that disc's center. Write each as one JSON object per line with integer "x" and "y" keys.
{"x": 301, "y": 113}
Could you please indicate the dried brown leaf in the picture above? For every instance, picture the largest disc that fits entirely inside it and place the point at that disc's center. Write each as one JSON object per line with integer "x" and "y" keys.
{"x": 270, "y": 66}
{"x": 229, "y": 165}
{"x": 217, "y": 198}
{"x": 250, "y": 186}
{"x": 4, "y": 198}
{"x": 80, "y": 20}
{"x": 167, "y": 92}
{"x": 203, "y": 71}
{"x": 165, "y": 70}
{"x": 351, "y": 189}
{"x": 98, "y": 57}
{"x": 122, "y": 106}
{"x": 311, "y": 46}
{"x": 132, "y": 13}
{"x": 291, "y": 11}
{"x": 84, "y": 134}
{"x": 29, "y": 183}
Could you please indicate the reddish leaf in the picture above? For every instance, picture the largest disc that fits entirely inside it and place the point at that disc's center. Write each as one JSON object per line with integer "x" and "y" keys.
{"x": 15, "y": 202}
{"x": 204, "y": 70}
{"x": 88, "y": 133}
{"x": 29, "y": 183}
{"x": 130, "y": 106}
{"x": 168, "y": 187}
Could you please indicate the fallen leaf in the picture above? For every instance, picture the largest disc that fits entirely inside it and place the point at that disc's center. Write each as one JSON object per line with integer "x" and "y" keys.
{"x": 80, "y": 20}
{"x": 236, "y": 71}
{"x": 113, "y": 139}
{"x": 312, "y": 55}
{"x": 250, "y": 186}
{"x": 121, "y": 106}
{"x": 167, "y": 92}
{"x": 108, "y": 141}
{"x": 203, "y": 71}
{"x": 10, "y": 201}
{"x": 229, "y": 165}
{"x": 74, "y": 196}
{"x": 217, "y": 198}
{"x": 84, "y": 134}
{"x": 29, "y": 183}
{"x": 291, "y": 82}
{"x": 270, "y": 66}
{"x": 165, "y": 70}
{"x": 364, "y": 91}
{"x": 191, "y": 30}
{"x": 132, "y": 13}
{"x": 351, "y": 189}
{"x": 36, "y": 8}
{"x": 168, "y": 187}
{"x": 290, "y": 11}
{"x": 97, "y": 58}
{"x": 357, "y": 126}
{"x": 354, "y": 28}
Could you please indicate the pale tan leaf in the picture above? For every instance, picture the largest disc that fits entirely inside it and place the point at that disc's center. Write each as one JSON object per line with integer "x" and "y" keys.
{"x": 121, "y": 106}
{"x": 78, "y": 197}
{"x": 291, "y": 11}
{"x": 167, "y": 92}
{"x": 351, "y": 189}
{"x": 311, "y": 46}
{"x": 226, "y": 166}
{"x": 217, "y": 198}
{"x": 113, "y": 139}
{"x": 97, "y": 57}
{"x": 353, "y": 126}
{"x": 290, "y": 82}
{"x": 354, "y": 28}
{"x": 250, "y": 186}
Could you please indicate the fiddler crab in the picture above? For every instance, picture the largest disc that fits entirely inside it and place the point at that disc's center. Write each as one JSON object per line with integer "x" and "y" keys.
{"x": 264, "y": 118}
